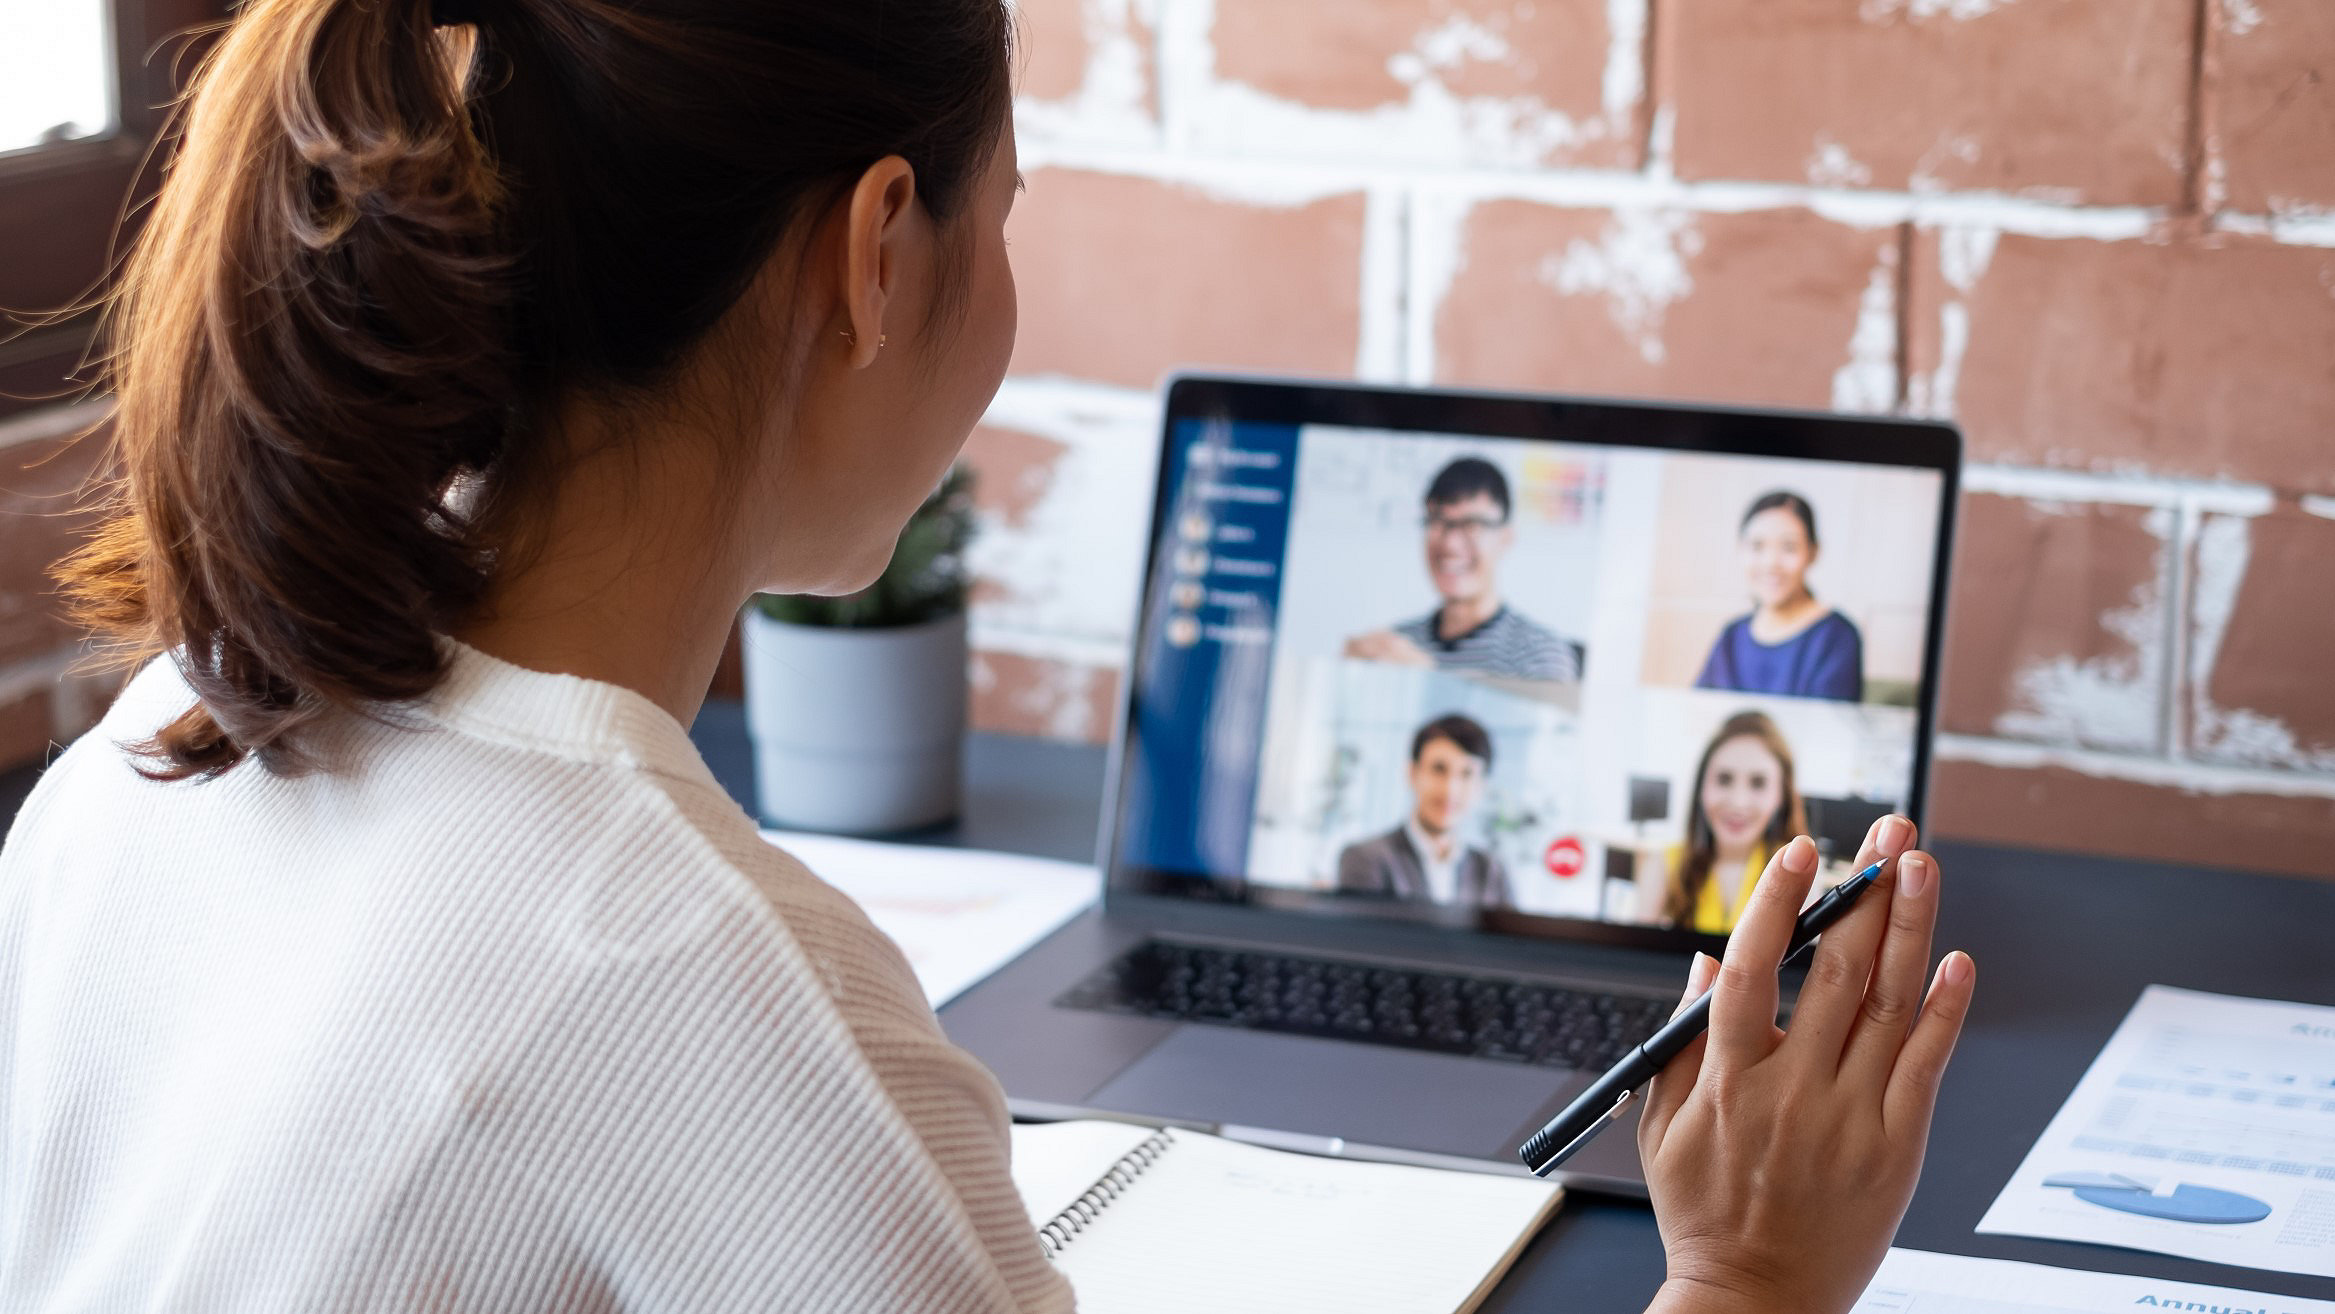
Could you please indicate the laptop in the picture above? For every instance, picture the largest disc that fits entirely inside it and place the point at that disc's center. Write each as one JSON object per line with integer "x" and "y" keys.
{"x": 1455, "y": 723}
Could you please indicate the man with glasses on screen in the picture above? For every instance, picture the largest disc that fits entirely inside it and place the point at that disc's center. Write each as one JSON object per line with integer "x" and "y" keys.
{"x": 1473, "y": 631}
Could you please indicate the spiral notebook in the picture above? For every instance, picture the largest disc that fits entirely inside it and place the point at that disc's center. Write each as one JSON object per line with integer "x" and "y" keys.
{"x": 1142, "y": 1219}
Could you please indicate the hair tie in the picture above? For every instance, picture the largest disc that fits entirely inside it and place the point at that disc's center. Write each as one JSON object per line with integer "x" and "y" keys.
{"x": 455, "y": 13}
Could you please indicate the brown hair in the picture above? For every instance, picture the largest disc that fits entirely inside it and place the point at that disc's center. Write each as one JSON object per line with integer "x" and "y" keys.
{"x": 1784, "y": 501}
{"x": 1464, "y": 733}
{"x": 387, "y": 246}
{"x": 1702, "y": 843}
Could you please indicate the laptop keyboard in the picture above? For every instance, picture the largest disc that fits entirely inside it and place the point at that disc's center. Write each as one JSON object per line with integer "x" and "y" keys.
{"x": 1444, "y": 1012}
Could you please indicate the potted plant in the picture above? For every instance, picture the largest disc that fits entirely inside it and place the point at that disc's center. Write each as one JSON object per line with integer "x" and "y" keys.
{"x": 856, "y": 704}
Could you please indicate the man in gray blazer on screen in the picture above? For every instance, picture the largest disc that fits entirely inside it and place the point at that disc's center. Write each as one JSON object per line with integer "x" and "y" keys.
{"x": 1425, "y": 858}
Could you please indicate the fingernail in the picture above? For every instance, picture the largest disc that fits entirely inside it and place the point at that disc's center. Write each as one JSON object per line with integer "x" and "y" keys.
{"x": 1896, "y": 836}
{"x": 1800, "y": 856}
{"x": 1913, "y": 874}
{"x": 1699, "y": 974}
{"x": 1957, "y": 969}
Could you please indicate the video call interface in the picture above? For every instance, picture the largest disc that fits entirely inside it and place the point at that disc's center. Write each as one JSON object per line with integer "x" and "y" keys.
{"x": 1440, "y": 675}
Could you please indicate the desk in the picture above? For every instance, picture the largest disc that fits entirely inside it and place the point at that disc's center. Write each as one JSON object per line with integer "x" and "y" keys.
{"x": 2064, "y": 945}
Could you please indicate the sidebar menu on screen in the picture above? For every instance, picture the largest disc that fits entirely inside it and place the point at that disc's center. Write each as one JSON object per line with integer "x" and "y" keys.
{"x": 1215, "y": 586}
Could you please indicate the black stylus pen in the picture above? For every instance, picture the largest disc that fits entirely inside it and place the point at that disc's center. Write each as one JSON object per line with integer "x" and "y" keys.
{"x": 1604, "y": 1101}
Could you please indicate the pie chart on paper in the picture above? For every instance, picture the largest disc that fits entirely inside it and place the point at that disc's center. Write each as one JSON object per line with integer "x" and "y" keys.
{"x": 2186, "y": 1203}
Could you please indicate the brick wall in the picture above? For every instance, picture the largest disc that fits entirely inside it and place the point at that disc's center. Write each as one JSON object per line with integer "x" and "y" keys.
{"x": 2100, "y": 234}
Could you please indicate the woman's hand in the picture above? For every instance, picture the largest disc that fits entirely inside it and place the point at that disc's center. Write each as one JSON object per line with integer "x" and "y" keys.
{"x": 1780, "y": 1162}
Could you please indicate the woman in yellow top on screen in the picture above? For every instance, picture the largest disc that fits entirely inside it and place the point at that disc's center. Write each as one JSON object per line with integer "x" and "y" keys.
{"x": 1746, "y": 806}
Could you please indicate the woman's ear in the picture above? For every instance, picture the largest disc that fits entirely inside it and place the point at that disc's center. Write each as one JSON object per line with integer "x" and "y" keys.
{"x": 877, "y": 223}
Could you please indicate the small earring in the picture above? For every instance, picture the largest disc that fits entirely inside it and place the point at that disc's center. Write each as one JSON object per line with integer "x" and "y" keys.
{"x": 883, "y": 340}
{"x": 848, "y": 336}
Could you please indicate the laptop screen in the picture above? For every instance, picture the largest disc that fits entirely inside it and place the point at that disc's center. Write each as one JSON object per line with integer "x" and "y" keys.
{"x": 1540, "y": 668}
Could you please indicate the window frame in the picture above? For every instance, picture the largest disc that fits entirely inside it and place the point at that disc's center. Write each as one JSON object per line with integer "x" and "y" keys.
{"x": 65, "y": 208}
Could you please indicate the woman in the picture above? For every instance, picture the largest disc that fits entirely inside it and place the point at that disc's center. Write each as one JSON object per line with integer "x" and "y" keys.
{"x": 388, "y": 946}
{"x": 1790, "y": 643}
{"x": 1746, "y": 808}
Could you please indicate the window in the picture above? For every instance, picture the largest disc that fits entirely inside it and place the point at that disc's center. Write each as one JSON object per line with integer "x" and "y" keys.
{"x": 83, "y": 86}
{"x": 56, "y": 75}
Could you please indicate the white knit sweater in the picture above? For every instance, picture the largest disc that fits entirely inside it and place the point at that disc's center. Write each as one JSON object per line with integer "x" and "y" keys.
{"x": 511, "y": 1010}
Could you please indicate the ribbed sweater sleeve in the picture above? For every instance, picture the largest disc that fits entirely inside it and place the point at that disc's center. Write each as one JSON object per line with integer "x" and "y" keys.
{"x": 508, "y": 1009}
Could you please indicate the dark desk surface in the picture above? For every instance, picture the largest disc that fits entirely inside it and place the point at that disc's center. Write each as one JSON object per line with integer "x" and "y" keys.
{"x": 2064, "y": 945}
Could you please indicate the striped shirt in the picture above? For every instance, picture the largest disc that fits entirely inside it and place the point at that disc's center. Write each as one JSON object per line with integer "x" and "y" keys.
{"x": 512, "y": 1010}
{"x": 1507, "y": 644}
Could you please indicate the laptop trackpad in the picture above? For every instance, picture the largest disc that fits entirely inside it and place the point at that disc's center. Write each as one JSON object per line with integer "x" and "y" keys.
{"x": 1367, "y": 1093}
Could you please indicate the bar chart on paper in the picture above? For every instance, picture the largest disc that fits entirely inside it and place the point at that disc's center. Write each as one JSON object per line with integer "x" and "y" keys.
{"x": 2206, "y": 1128}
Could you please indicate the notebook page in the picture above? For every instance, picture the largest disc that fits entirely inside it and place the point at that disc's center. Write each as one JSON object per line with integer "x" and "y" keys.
{"x": 1216, "y": 1225}
{"x": 1055, "y": 1162}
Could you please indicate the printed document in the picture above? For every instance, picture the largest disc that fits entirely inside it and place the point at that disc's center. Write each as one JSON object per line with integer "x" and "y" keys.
{"x": 958, "y": 914}
{"x": 1918, "y": 1282}
{"x": 2206, "y": 1129}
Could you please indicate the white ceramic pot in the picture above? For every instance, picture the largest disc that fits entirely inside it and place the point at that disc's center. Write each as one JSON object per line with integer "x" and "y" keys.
{"x": 856, "y": 731}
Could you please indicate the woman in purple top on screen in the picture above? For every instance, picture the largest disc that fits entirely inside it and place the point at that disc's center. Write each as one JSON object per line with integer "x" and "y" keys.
{"x": 1790, "y": 644}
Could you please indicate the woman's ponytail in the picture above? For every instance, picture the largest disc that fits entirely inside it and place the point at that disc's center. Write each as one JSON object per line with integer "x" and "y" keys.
{"x": 311, "y": 349}
{"x": 392, "y": 243}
